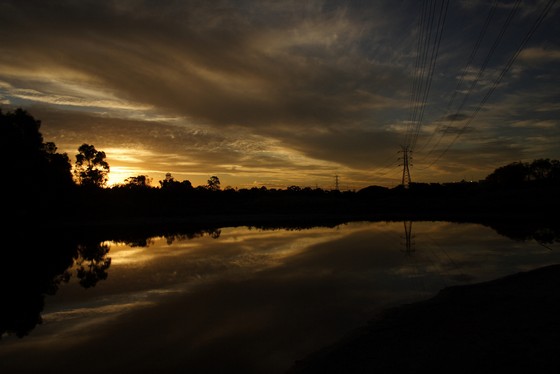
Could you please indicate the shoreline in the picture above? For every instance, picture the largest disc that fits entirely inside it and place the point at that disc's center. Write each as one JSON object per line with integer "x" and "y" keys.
{"x": 541, "y": 228}
{"x": 515, "y": 227}
{"x": 219, "y": 220}
{"x": 506, "y": 324}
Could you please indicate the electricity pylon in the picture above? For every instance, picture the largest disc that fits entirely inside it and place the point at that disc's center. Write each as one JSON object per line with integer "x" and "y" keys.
{"x": 406, "y": 158}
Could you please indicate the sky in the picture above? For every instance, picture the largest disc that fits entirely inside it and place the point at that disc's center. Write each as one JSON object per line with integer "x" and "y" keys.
{"x": 279, "y": 93}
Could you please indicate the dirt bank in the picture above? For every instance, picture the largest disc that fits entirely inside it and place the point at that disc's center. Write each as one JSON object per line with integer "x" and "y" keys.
{"x": 511, "y": 324}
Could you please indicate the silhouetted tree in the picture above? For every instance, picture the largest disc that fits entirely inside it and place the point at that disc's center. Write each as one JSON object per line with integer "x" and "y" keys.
{"x": 545, "y": 170}
{"x": 213, "y": 183}
{"x": 58, "y": 171}
{"x": 91, "y": 169}
{"x": 34, "y": 175}
{"x": 170, "y": 184}
{"x": 167, "y": 182}
{"x": 512, "y": 174}
{"x": 518, "y": 173}
{"x": 32, "y": 162}
{"x": 186, "y": 185}
{"x": 20, "y": 134}
{"x": 140, "y": 181}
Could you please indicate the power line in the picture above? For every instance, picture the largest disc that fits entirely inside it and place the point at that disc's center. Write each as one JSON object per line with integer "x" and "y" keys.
{"x": 428, "y": 45}
{"x": 498, "y": 80}
{"x": 433, "y": 59}
{"x": 416, "y": 81}
{"x": 424, "y": 36}
{"x": 481, "y": 70}
{"x": 387, "y": 163}
{"x": 427, "y": 51}
{"x": 465, "y": 70}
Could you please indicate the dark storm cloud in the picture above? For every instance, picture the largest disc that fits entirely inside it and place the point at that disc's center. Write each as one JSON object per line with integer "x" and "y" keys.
{"x": 354, "y": 147}
{"x": 215, "y": 63}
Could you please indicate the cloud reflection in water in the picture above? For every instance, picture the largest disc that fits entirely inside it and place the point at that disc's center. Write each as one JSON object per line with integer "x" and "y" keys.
{"x": 256, "y": 300}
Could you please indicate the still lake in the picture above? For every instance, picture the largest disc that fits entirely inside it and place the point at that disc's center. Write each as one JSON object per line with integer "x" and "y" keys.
{"x": 248, "y": 300}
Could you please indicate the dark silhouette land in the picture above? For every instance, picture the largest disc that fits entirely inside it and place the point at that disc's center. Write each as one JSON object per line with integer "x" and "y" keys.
{"x": 64, "y": 216}
{"x": 43, "y": 190}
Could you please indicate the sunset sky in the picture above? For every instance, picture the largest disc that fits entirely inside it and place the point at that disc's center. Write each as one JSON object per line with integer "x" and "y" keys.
{"x": 292, "y": 92}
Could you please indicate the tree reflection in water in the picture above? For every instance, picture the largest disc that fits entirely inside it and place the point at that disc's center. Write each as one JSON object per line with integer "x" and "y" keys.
{"x": 35, "y": 263}
{"x": 544, "y": 233}
{"x": 213, "y": 233}
{"x": 92, "y": 263}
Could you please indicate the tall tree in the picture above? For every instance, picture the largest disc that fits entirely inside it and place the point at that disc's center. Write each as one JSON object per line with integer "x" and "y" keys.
{"x": 58, "y": 168}
{"x": 34, "y": 176}
{"x": 91, "y": 169}
{"x": 213, "y": 183}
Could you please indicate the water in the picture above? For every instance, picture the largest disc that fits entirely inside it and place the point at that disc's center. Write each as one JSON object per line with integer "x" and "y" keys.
{"x": 249, "y": 300}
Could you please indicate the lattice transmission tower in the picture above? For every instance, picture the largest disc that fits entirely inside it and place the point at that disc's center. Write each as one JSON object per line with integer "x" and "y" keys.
{"x": 406, "y": 163}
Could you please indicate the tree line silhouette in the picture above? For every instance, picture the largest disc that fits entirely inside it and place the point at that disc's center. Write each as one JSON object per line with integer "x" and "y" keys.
{"x": 42, "y": 184}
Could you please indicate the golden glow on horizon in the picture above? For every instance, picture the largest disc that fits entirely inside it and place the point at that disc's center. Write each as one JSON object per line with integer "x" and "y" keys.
{"x": 119, "y": 174}
{"x": 127, "y": 155}
{"x": 294, "y": 95}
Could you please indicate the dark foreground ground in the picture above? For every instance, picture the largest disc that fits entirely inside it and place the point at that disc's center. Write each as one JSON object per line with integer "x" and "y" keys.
{"x": 507, "y": 325}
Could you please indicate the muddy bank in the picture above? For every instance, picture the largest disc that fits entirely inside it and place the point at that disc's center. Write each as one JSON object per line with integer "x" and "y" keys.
{"x": 511, "y": 324}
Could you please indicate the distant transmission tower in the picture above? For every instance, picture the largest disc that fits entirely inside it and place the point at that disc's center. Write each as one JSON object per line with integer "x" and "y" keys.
{"x": 336, "y": 187}
{"x": 406, "y": 158}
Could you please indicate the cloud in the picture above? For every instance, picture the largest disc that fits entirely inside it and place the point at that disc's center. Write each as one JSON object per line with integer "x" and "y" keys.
{"x": 456, "y": 117}
{"x": 540, "y": 54}
{"x": 294, "y": 90}
{"x": 355, "y": 148}
{"x": 535, "y": 124}
{"x": 218, "y": 65}
{"x": 80, "y": 97}
{"x": 187, "y": 151}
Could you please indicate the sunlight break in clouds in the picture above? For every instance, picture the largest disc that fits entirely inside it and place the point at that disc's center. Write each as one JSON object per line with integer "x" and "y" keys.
{"x": 320, "y": 88}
